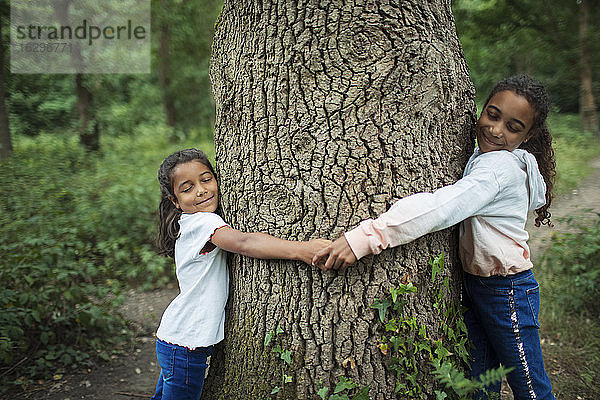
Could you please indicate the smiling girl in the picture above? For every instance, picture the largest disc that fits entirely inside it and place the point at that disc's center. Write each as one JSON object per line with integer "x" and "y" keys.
{"x": 192, "y": 231}
{"x": 510, "y": 173}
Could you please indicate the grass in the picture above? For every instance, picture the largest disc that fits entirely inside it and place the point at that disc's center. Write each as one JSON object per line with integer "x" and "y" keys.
{"x": 570, "y": 281}
{"x": 570, "y": 326}
{"x": 574, "y": 149}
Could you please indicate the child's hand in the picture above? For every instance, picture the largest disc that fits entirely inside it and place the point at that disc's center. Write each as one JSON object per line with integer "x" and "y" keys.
{"x": 311, "y": 247}
{"x": 337, "y": 254}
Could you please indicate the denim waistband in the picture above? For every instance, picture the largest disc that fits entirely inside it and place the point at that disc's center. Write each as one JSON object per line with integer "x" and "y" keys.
{"x": 194, "y": 350}
{"x": 514, "y": 278}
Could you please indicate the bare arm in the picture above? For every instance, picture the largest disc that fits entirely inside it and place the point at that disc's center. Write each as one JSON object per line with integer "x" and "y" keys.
{"x": 261, "y": 245}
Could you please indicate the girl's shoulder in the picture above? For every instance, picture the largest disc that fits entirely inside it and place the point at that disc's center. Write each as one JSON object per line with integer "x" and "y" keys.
{"x": 497, "y": 155}
{"x": 201, "y": 220}
{"x": 504, "y": 166}
{"x": 497, "y": 160}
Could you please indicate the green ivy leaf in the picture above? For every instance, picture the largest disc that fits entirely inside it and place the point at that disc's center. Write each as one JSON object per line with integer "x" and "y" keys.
{"x": 344, "y": 384}
{"x": 381, "y": 306}
{"x": 437, "y": 264}
{"x": 269, "y": 337}
{"x": 339, "y": 397}
{"x": 286, "y": 355}
{"x": 323, "y": 392}
{"x": 363, "y": 394}
{"x": 392, "y": 325}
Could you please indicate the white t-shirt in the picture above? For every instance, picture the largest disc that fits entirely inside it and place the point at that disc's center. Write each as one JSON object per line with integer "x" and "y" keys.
{"x": 196, "y": 317}
{"x": 492, "y": 198}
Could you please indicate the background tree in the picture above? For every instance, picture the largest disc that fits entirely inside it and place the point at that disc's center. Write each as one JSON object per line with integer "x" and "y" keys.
{"x": 5, "y": 139}
{"x": 164, "y": 64}
{"x": 184, "y": 29}
{"x": 587, "y": 103}
{"x": 89, "y": 131}
{"x": 327, "y": 112}
{"x": 548, "y": 39}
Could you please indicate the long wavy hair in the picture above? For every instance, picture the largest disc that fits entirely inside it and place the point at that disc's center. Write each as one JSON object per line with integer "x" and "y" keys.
{"x": 168, "y": 214}
{"x": 540, "y": 142}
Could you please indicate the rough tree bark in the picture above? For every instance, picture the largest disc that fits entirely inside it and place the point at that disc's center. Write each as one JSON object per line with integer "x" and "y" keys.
{"x": 326, "y": 112}
{"x": 587, "y": 103}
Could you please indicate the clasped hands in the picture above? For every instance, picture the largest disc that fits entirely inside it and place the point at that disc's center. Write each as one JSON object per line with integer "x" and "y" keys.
{"x": 336, "y": 255}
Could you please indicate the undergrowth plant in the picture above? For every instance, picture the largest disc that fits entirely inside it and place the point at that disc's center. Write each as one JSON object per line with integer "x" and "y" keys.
{"x": 408, "y": 342}
{"x": 273, "y": 338}
{"x": 570, "y": 285}
{"x": 576, "y": 254}
{"x": 75, "y": 229}
{"x": 409, "y": 346}
{"x": 57, "y": 308}
{"x": 345, "y": 389}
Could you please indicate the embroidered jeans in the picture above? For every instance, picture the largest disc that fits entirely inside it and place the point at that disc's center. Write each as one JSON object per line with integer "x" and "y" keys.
{"x": 502, "y": 322}
{"x": 182, "y": 371}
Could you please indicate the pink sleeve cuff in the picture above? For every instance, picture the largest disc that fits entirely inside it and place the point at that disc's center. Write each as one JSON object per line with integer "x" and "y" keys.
{"x": 358, "y": 241}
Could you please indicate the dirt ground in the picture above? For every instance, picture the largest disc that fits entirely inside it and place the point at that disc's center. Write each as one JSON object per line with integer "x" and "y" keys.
{"x": 133, "y": 376}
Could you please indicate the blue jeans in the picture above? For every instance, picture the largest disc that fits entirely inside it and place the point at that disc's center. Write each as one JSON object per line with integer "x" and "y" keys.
{"x": 181, "y": 371}
{"x": 502, "y": 322}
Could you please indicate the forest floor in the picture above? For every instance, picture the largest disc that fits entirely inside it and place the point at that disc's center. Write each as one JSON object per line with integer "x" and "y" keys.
{"x": 133, "y": 375}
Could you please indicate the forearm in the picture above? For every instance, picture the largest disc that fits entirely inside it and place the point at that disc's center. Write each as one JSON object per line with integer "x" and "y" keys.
{"x": 414, "y": 216}
{"x": 261, "y": 245}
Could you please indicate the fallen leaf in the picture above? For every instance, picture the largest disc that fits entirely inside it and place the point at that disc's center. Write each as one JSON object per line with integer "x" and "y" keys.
{"x": 350, "y": 361}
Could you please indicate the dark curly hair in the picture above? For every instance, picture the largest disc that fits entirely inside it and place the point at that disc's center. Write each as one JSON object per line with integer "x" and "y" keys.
{"x": 168, "y": 214}
{"x": 540, "y": 142}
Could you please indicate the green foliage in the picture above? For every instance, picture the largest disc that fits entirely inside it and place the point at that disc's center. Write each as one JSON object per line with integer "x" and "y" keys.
{"x": 503, "y": 37}
{"x": 47, "y": 103}
{"x": 573, "y": 148}
{"x": 576, "y": 254}
{"x": 53, "y": 292}
{"x": 74, "y": 229}
{"x": 39, "y": 103}
{"x": 455, "y": 380}
{"x": 345, "y": 389}
{"x": 410, "y": 347}
{"x": 275, "y": 337}
{"x": 568, "y": 280}
{"x": 191, "y": 28}
{"x": 125, "y": 102}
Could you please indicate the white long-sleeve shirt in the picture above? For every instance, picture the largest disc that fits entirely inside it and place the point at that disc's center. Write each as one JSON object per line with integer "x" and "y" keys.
{"x": 492, "y": 200}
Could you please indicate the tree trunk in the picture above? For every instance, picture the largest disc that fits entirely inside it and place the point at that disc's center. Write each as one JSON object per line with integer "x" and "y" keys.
{"x": 326, "y": 113}
{"x": 5, "y": 139}
{"x": 164, "y": 66}
{"x": 89, "y": 132}
{"x": 89, "y": 135}
{"x": 587, "y": 104}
